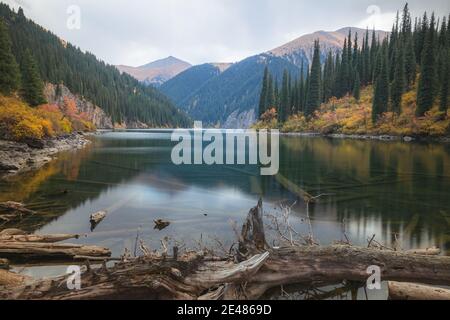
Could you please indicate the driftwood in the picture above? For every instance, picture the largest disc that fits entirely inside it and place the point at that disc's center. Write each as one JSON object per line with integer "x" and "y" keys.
{"x": 30, "y": 251}
{"x": 96, "y": 218}
{"x": 413, "y": 291}
{"x": 38, "y": 238}
{"x": 10, "y": 279}
{"x": 248, "y": 274}
{"x": 425, "y": 252}
{"x": 12, "y": 232}
{"x": 161, "y": 224}
{"x": 11, "y": 211}
{"x": 13, "y": 207}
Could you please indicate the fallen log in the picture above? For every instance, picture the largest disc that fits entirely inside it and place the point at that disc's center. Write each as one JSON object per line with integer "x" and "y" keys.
{"x": 14, "y": 207}
{"x": 425, "y": 252}
{"x": 41, "y": 252}
{"x": 11, "y": 280}
{"x": 12, "y": 232}
{"x": 247, "y": 275}
{"x": 96, "y": 218}
{"x": 413, "y": 291}
{"x": 38, "y": 238}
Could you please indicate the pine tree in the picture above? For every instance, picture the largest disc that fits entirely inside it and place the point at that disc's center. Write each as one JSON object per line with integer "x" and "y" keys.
{"x": 425, "y": 94}
{"x": 32, "y": 85}
{"x": 443, "y": 106}
{"x": 284, "y": 98}
{"x": 357, "y": 87}
{"x": 264, "y": 93}
{"x": 381, "y": 94}
{"x": 398, "y": 85}
{"x": 9, "y": 70}
{"x": 313, "y": 101}
{"x": 270, "y": 93}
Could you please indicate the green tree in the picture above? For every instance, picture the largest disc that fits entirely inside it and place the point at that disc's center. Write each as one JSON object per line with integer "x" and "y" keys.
{"x": 398, "y": 85}
{"x": 357, "y": 87}
{"x": 443, "y": 106}
{"x": 9, "y": 70}
{"x": 284, "y": 99}
{"x": 263, "y": 99}
{"x": 32, "y": 85}
{"x": 425, "y": 94}
{"x": 381, "y": 94}
{"x": 313, "y": 101}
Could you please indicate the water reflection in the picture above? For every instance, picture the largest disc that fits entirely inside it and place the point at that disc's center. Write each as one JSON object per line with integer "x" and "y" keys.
{"x": 382, "y": 188}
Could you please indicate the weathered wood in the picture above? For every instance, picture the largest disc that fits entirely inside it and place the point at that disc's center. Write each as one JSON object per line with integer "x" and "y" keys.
{"x": 96, "y": 218}
{"x": 30, "y": 251}
{"x": 425, "y": 252}
{"x": 195, "y": 275}
{"x": 413, "y": 291}
{"x": 10, "y": 279}
{"x": 38, "y": 238}
{"x": 253, "y": 236}
{"x": 12, "y": 232}
{"x": 14, "y": 207}
{"x": 161, "y": 224}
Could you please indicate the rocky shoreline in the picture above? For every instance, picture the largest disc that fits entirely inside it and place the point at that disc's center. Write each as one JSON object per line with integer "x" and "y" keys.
{"x": 368, "y": 137}
{"x": 16, "y": 157}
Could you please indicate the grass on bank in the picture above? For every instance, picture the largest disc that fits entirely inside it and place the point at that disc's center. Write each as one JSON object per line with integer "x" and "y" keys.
{"x": 351, "y": 117}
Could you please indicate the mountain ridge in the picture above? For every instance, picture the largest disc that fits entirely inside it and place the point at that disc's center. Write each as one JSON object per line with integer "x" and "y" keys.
{"x": 156, "y": 72}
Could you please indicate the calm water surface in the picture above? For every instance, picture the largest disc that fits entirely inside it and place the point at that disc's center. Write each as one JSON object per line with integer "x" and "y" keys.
{"x": 382, "y": 188}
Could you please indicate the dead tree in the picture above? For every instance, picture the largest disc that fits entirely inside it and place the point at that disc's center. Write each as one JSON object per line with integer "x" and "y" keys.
{"x": 254, "y": 270}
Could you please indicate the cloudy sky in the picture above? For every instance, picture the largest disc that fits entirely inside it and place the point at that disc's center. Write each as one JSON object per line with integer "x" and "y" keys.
{"x": 135, "y": 32}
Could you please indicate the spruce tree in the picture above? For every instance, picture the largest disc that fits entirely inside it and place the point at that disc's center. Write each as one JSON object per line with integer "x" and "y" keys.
{"x": 425, "y": 94}
{"x": 357, "y": 87}
{"x": 381, "y": 94}
{"x": 313, "y": 101}
{"x": 270, "y": 93}
{"x": 443, "y": 106}
{"x": 9, "y": 70}
{"x": 398, "y": 85}
{"x": 284, "y": 98}
{"x": 264, "y": 93}
{"x": 32, "y": 85}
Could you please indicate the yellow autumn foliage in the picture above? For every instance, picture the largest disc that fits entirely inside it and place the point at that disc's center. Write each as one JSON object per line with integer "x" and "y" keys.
{"x": 351, "y": 117}
{"x": 18, "y": 121}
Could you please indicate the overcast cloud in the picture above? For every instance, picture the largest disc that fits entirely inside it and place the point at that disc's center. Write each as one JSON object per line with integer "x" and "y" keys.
{"x": 135, "y": 32}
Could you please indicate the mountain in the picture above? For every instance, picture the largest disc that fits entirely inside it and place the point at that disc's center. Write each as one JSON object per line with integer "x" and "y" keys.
{"x": 227, "y": 99}
{"x": 157, "y": 72}
{"x": 120, "y": 96}
{"x": 187, "y": 83}
{"x": 302, "y": 48}
{"x": 230, "y": 98}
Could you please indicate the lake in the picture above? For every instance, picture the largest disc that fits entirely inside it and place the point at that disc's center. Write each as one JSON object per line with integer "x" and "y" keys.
{"x": 395, "y": 190}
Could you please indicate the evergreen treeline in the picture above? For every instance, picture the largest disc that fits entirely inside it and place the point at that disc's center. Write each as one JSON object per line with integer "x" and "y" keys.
{"x": 52, "y": 60}
{"x": 391, "y": 65}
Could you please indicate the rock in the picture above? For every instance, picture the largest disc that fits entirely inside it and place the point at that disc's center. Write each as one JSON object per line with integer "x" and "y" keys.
{"x": 408, "y": 139}
{"x": 35, "y": 143}
{"x": 8, "y": 167}
{"x": 12, "y": 232}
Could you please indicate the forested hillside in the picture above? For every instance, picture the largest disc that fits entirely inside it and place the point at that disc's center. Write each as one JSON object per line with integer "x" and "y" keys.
{"x": 236, "y": 90}
{"x": 186, "y": 84}
{"x": 119, "y": 95}
{"x": 412, "y": 64}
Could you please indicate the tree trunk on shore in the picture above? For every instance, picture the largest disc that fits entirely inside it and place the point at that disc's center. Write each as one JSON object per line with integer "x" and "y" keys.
{"x": 196, "y": 275}
{"x": 413, "y": 291}
{"x": 44, "y": 252}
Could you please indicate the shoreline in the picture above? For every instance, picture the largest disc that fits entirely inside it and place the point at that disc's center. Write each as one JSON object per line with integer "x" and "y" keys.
{"x": 386, "y": 138}
{"x": 19, "y": 157}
